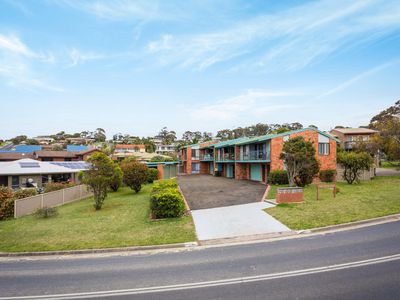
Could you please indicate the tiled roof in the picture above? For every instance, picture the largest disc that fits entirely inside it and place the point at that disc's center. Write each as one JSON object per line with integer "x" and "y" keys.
{"x": 126, "y": 146}
{"x": 355, "y": 130}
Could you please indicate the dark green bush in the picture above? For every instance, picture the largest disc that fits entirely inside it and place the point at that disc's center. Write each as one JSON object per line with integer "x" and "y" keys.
{"x": 25, "y": 193}
{"x": 167, "y": 203}
{"x": 327, "y": 175}
{"x": 152, "y": 175}
{"x": 46, "y": 212}
{"x": 6, "y": 203}
{"x": 278, "y": 177}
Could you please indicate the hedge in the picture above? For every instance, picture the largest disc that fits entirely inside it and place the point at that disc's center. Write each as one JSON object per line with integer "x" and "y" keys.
{"x": 166, "y": 201}
{"x": 152, "y": 175}
{"x": 278, "y": 177}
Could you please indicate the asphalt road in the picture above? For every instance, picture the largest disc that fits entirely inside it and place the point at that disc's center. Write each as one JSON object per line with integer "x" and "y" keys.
{"x": 355, "y": 264}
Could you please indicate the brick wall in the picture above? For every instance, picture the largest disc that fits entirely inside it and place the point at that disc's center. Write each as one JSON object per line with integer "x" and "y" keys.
{"x": 326, "y": 161}
{"x": 242, "y": 171}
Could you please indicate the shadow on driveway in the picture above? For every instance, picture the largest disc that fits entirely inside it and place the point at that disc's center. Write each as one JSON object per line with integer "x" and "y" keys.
{"x": 206, "y": 191}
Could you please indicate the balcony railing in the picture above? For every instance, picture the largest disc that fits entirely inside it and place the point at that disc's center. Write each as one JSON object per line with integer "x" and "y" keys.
{"x": 254, "y": 155}
{"x": 227, "y": 156}
{"x": 207, "y": 156}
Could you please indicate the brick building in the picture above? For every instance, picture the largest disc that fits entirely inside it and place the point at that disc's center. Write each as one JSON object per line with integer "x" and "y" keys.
{"x": 253, "y": 158}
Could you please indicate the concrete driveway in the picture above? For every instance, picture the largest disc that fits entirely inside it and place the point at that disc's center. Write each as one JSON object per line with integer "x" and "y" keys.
{"x": 235, "y": 221}
{"x": 206, "y": 191}
{"x": 387, "y": 172}
{"x": 227, "y": 208}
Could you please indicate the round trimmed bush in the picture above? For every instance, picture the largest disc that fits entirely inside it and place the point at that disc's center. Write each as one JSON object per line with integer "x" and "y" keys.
{"x": 167, "y": 203}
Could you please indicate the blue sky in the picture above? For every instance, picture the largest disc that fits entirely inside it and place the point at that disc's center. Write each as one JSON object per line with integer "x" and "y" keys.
{"x": 136, "y": 66}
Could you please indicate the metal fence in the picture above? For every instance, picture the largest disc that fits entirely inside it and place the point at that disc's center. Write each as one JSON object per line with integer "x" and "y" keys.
{"x": 27, "y": 206}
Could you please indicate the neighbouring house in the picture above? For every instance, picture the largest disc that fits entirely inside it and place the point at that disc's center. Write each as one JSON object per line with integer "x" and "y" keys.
{"x": 44, "y": 155}
{"x": 25, "y": 173}
{"x": 164, "y": 149}
{"x": 80, "y": 140}
{"x": 349, "y": 137}
{"x": 127, "y": 148}
{"x": 140, "y": 156}
{"x": 44, "y": 139}
{"x": 10, "y": 156}
{"x": 253, "y": 158}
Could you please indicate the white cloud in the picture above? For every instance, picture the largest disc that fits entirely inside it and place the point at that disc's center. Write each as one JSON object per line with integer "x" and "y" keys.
{"x": 359, "y": 77}
{"x": 17, "y": 61}
{"x": 79, "y": 57}
{"x": 252, "y": 103}
{"x": 287, "y": 40}
{"x": 13, "y": 44}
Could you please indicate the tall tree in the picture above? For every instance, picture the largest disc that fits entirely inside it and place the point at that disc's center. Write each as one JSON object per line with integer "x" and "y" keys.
{"x": 300, "y": 160}
{"x": 167, "y": 136}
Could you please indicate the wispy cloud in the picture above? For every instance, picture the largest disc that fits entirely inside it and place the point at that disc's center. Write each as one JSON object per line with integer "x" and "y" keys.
{"x": 359, "y": 77}
{"x": 16, "y": 61}
{"x": 79, "y": 57}
{"x": 252, "y": 103}
{"x": 287, "y": 40}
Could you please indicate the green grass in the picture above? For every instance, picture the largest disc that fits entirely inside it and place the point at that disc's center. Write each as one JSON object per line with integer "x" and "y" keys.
{"x": 123, "y": 221}
{"x": 369, "y": 199}
{"x": 391, "y": 165}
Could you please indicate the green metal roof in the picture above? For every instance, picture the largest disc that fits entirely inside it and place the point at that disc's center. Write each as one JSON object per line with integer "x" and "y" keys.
{"x": 230, "y": 142}
{"x": 272, "y": 136}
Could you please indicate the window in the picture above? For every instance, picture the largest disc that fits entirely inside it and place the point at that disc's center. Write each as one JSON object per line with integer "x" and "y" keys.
{"x": 323, "y": 148}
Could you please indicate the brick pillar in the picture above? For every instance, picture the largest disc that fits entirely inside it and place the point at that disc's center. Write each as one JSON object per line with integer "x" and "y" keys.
{"x": 276, "y": 150}
{"x": 160, "y": 168}
{"x": 189, "y": 160}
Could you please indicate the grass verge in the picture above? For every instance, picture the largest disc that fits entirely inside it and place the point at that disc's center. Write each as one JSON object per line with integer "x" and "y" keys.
{"x": 368, "y": 199}
{"x": 123, "y": 221}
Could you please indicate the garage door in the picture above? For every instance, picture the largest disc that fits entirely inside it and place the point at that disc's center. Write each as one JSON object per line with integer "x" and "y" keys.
{"x": 255, "y": 172}
{"x": 211, "y": 168}
{"x": 166, "y": 171}
{"x": 229, "y": 171}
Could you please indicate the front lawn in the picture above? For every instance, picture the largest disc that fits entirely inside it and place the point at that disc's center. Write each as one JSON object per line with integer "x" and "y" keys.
{"x": 369, "y": 199}
{"x": 123, "y": 221}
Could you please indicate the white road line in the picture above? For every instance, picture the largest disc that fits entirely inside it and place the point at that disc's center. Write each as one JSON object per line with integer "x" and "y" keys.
{"x": 222, "y": 282}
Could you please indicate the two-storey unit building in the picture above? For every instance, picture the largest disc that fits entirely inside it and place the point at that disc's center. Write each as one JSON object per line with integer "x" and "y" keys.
{"x": 254, "y": 158}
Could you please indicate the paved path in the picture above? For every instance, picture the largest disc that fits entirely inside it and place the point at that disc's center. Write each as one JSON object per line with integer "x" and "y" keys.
{"x": 387, "y": 172}
{"x": 28, "y": 277}
{"x": 235, "y": 221}
{"x": 206, "y": 191}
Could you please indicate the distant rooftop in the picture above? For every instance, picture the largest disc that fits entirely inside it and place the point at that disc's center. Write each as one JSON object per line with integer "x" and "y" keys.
{"x": 355, "y": 130}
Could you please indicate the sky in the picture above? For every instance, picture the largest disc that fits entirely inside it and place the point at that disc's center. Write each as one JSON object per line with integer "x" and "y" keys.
{"x": 137, "y": 66}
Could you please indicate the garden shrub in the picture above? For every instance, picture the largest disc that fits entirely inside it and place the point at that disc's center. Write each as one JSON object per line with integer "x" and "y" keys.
{"x": 6, "y": 203}
{"x": 55, "y": 186}
{"x": 167, "y": 203}
{"x": 25, "y": 193}
{"x": 152, "y": 175}
{"x": 278, "y": 177}
{"x": 46, "y": 212}
{"x": 327, "y": 175}
{"x": 135, "y": 174}
{"x": 163, "y": 184}
{"x": 116, "y": 179}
